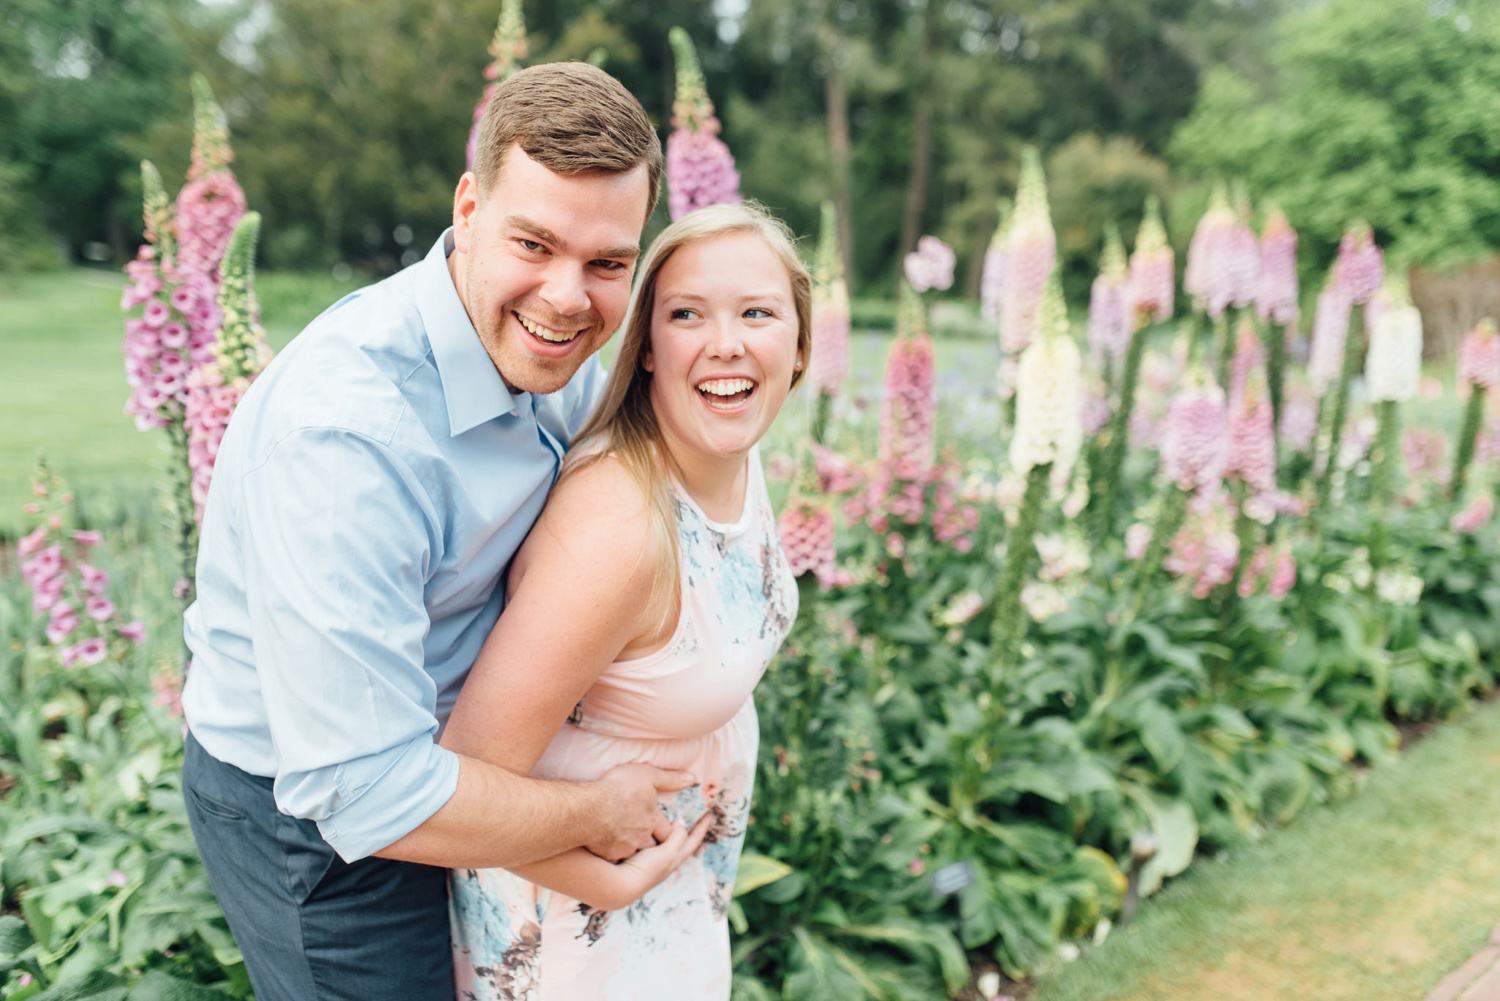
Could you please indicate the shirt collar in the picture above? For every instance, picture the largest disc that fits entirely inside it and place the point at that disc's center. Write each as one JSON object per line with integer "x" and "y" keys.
{"x": 472, "y": 387}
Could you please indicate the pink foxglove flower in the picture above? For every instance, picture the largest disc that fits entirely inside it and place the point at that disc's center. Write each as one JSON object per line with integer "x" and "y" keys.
{"x": 1031, "y": 253}
{"x": 215, "y": 390}
{"x": 1248, "y": 353}
{"x": 910, "y": 406}
{"x": 1192, "y": 449}
{"x": 1250, "y": 450}
{"x": 1206, "y": 252}
{"x": 1152, "y": 278}
{"x": 806, "y": 530}
{"x": 507, "y": 49}
{"x": 1472, "y": 518}
{"x": 830, "y": 312}
{"x": 1241, "y": 267}
{"x": 1276, "y": 292}
{"x": 1330, "y": 329}
{"x": 1393, "y": 368}
{"x": 700, "y": 168}
{"x": 1360, "y": 268}
{"x": 1048, "y": 393}
{"x": 1283, "y": 574}
{"x": 930, "y": 266}
{"x": 1299, "y": 418}
{"x": 996, "y": 267}
{"x": 1206, "y": 550}
{"x": 1109, "y": 302}
{"x": 211, "y": 203}
{"x": 1479, "y": 357}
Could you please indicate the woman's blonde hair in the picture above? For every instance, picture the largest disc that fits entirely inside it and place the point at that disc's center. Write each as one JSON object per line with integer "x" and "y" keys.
{"x": 624, "y": 425}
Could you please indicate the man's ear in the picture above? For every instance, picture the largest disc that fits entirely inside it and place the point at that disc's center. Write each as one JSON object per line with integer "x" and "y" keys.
{"x": 465, "y": 203}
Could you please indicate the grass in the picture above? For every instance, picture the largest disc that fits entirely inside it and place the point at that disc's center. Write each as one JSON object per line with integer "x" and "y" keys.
{"x": 1376, "y": 898}
{"x": 62, "y": 391}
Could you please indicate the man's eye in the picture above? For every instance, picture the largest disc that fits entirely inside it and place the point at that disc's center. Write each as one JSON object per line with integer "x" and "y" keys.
{"x": 607, "y": 265}
{"x": 530, "y": 245}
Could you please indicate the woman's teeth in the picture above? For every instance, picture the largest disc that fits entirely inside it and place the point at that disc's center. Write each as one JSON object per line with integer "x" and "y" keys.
{"x": 547, "y": 333}
{"x": 725, "y": 394}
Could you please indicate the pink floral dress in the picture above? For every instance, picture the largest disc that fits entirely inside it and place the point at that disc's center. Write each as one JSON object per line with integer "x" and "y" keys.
{"x": 686, "y": 706}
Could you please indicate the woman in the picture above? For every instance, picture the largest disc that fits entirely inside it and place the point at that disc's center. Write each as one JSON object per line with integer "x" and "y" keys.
{"x": 643, "y": 608}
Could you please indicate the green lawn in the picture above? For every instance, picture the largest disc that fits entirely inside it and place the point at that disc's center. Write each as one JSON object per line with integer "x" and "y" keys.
{"x": 1373, "y": 899}
{"x": 63, "y": 392}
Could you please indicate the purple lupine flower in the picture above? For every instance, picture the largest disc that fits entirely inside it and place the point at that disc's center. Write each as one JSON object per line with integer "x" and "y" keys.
{"x": 930, "y": 266}
{"x": 1031, "y": 253}
{"x": 700, "y": 168}
{"x": 1109, "y": 302}
{"x": 1241, "y": 270}
{"x": 1276, "y": 293}
{"x": 1360, "y": 268}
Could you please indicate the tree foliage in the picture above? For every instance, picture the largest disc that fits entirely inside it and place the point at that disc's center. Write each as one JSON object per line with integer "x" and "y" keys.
{"x": 1386, "y": 111}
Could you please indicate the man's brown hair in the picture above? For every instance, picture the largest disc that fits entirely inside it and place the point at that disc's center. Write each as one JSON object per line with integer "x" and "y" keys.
{"x": 571, "y": 118}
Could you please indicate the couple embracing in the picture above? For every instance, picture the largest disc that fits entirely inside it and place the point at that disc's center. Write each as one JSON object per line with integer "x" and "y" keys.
{"x": 477, "y": 626}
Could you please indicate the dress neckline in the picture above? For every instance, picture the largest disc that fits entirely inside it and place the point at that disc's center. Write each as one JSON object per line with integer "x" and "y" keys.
{"x": 741, "y": 523}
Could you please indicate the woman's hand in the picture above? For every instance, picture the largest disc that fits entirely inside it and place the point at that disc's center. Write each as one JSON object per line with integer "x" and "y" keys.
{"x": 649, "y": 866}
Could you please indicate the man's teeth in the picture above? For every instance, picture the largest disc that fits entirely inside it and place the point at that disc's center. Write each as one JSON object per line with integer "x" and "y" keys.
{"x": 726, "y": 387}
{"x": 547, "y": 333}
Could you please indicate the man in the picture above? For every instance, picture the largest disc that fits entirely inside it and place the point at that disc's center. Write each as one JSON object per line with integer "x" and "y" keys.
{"x": 373, "y": 486}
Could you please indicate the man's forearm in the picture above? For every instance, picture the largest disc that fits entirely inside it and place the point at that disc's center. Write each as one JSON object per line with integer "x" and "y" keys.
{"x": 498, "y": 819}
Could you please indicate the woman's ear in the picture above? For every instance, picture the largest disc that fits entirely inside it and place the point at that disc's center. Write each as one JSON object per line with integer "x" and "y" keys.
{"x": 647, "y": 362}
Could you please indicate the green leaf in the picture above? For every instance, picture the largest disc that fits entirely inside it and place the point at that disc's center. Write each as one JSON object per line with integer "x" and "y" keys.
{"x": 756, "y": 871}
{"x": 158, "y": 985}
{"x": 1161, "y": 735}
{"x": 94, "y": 986}
{"x": 1176, "y": 832}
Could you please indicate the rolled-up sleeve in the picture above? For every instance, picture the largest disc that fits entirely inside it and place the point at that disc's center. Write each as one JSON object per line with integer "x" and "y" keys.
{"x": 339, "y": 539}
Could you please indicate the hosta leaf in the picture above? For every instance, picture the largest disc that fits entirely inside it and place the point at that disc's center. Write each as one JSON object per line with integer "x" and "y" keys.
{"x": 1176, "y": 832}
{"x": 756, "y": 871}
{"x": 1160, "y": 735}
{"x": 160, "y": 986}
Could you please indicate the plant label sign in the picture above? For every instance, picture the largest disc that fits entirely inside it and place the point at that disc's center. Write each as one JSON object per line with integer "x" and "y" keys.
{"x": 951, "y": 878}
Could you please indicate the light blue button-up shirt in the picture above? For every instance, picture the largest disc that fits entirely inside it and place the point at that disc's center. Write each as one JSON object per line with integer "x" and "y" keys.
{"x": 372, "y": 488}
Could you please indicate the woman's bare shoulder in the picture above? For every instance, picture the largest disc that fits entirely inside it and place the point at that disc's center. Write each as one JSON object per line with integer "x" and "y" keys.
{"x": 596, "y": 517}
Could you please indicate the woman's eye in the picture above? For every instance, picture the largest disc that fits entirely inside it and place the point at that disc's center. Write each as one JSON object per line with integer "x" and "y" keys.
{"x": 683, "y": 314}
{"x": 757, "y": 313}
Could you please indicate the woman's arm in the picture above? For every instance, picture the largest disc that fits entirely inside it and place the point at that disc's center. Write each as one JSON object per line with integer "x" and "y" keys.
{"x": 574, "y": 604}
{"x": 610, "y": 886}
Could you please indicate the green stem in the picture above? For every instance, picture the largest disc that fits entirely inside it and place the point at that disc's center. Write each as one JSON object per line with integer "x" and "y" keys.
{"x": 1020, "y": 555}
{"x": 1467, "y": 437}
{"x": 1106, "y": 488}
{"x": 820, "y": 418}
{"x": 1275, "y": 339}
{"x": 1225, "y": 335}
{"x": 1168, "y": 521}
{"x": 1383, "y": 454}
{"x": 1352, "y": 340}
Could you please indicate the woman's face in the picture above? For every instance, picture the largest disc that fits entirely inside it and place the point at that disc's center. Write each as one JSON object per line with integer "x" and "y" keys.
{"x": 723, "y": 345}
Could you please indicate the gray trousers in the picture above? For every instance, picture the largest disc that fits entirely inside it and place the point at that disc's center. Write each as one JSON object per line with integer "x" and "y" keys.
{"x": 312, "y": 926}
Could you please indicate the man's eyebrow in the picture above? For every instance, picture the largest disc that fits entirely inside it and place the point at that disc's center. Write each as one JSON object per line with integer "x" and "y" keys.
{"x": 628, "y": 251}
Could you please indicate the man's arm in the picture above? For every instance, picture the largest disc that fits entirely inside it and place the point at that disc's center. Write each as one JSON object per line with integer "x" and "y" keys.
{"x": 339, "y": 538}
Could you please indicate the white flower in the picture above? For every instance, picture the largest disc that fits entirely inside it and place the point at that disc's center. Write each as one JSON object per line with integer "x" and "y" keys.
{"x": 1393, "y": 368}
{"x": 1048, "y": 384}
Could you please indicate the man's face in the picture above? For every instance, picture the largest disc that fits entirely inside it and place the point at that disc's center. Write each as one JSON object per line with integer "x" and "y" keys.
{"x": 543, "y": 264}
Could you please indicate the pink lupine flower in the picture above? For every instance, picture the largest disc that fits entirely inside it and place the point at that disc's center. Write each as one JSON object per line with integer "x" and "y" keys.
{"x": 1109, "y": 302}
{"x": 1248, "y": 353}
{"x": 930, "y": 266}
{"x": 700, "y": 168}
{"x": 1472, "y": 518}
{"x": 1152, "y": 278}
{"x": 1241, "y": 265}
{"x": 1479, "y": 357}
{"x": 836, "y": 473}
{"x": 1031, "y": 253}
{"x": 1250, "y": 451}
{"x": 1192, "y": 449}
{"x": 806, "y": 530}
{"x": 507, "y": 49}
{"x": 1253, "y": 571}
{"x": 1330, "y": 329}
{"x": 1276, "y": 292}
{"x": 1360, "y": 268}
{"x": 1206, "y": 550}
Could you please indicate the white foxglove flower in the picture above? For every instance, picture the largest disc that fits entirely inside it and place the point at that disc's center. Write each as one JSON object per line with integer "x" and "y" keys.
{"x": 1393, "y": 368}
{"x": 1048, "y": 391}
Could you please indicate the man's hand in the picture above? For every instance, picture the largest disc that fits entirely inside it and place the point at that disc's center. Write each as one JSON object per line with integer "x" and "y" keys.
{"x": 630, "y": 809}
